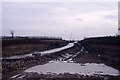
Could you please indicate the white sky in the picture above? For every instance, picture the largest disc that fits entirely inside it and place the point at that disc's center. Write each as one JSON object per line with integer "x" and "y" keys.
{"x": 60, "y": 0}
{"x": 82, "y": 19}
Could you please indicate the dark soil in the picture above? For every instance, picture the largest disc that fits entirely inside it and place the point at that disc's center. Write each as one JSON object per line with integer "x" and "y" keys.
{"x": 106, "y": 49}
{"x": 19, "y": 47}
{"x": 99, "y": 51}
{"x": 16, "y": 65}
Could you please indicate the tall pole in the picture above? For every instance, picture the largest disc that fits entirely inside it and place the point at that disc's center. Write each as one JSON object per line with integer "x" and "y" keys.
{"x": 71, "y": 37}
{"x": 119, "y": 18}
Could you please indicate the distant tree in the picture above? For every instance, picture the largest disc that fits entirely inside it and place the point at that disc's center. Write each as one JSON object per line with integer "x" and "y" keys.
{"x": 12, "y": 33}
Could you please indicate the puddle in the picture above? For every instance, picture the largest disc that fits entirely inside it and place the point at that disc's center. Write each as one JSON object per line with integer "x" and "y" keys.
{"x": 72, "y": 68}
{"x": 57, "y": 49}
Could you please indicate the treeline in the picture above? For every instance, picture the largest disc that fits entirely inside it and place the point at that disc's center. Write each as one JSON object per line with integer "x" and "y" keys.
{"x": 31, "y": 37}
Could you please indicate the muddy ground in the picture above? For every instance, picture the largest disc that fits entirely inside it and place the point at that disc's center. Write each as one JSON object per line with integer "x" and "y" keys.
{"x": 17, "y": 65}
{"x": 19, "y": 47}
{"x": 91, "y": 54}
{"x": 107, "y": 49}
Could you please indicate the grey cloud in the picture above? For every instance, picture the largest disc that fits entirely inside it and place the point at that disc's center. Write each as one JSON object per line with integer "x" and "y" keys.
{"x": 111, "y": 17}
{"x": 54, "y": 18}
{"x": 78, "y": 19}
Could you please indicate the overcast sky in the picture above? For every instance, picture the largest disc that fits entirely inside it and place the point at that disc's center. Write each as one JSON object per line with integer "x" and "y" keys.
{"x": 60, "y": 19}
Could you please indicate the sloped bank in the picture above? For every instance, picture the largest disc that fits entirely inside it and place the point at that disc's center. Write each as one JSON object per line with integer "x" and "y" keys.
{"x": 26, "y": 46}
{"x": 106, "y": 49}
